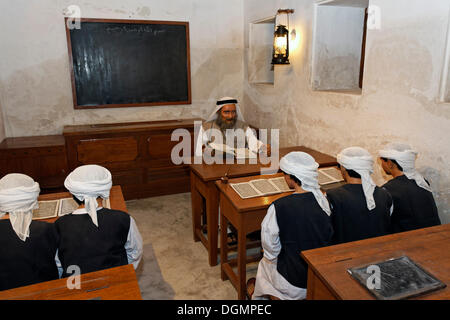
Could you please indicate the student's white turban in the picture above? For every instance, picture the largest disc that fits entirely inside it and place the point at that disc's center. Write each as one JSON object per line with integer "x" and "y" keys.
{"x": 224, "y": 101}
{"x": 304, "y": 168}
{"x": 360, "y": 161}
{"x": 87, "y": 183}
{"x": 405, "y": 157}
{"x": 19, "y": 197}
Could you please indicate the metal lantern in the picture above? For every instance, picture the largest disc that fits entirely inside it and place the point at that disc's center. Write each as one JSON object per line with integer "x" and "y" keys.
{"x": 281, "y": 45}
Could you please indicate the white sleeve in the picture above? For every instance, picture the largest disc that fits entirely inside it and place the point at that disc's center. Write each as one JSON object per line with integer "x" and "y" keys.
{"x": 58, "y": 264}
{"x": 134, "y": 246}
{"x": 253, "y": 143}
{"x": 392, "y": 209}
{"x": 270, "y": 239}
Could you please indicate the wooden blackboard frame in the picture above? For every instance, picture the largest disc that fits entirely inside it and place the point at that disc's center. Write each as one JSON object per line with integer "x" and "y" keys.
{"x": 145, "y": 104}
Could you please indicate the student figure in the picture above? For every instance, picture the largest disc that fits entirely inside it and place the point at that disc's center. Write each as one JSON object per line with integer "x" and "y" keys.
{"x": 27, "y": 247}
{"x": 95, "y": 238}
{"x": 414, "y": 205}
{"x": 292, "y": 224}
{"x": 227, "y": 116}
{"x": 359, "y": 209}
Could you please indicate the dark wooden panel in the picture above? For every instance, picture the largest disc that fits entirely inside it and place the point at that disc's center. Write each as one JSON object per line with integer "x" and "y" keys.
{"x": 128, "y": 177}
{"x": 42, "y": 157}
{"x": 138, "y": 154}
{"x": 167, "y": 173}
{"x": 98, "y": 151}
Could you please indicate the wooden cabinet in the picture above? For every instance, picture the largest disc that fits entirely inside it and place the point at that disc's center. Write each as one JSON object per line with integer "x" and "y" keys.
{"x": 138, "y": 154}
{"x": 41, "y": 157}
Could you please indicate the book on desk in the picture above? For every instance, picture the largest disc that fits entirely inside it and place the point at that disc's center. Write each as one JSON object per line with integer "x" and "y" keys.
{"x": 260, "y": 187}
{"x": 238, "y": 153}
{"x": 59, "y": 207}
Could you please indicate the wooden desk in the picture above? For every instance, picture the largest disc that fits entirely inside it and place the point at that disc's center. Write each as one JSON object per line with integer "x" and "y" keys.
{"x": 246, "y": 216}
{"x": 115, "y": 199}
{"x": 117, "y": 283}
{"x": 327, "y": 267}
{"x": 205, "y": 196}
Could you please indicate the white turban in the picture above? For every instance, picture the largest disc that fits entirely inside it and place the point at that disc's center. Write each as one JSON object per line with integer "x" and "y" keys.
{"x": 360, "y": 161}
{"x": 304, "y": 168}
{"x": 405, "y": 157}
{"x": 19, "y": 197}
{"x": 87, "y": 183}
{"x": 224, "y": 101}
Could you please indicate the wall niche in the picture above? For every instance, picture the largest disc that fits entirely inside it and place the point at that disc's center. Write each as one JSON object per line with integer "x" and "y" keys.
{"x": 339, "y": 45}
{"x": 260, "y": 69}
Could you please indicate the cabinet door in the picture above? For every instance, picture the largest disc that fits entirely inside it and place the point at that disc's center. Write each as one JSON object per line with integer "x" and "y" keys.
{"x": 160, "y": 148}
{"x": 107, "y": 150}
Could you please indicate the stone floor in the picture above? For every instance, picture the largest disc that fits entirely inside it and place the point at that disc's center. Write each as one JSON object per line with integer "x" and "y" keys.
{"x": 173, "y": 265}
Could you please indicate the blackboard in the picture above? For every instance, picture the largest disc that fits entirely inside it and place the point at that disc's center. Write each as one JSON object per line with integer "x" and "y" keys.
{"x": 400, "y": 278}
{"x": 127, "y": 63}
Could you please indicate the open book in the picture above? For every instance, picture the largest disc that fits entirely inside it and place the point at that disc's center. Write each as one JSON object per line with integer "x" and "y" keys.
{"x": 47, "y": 209}
{"x": 53, "y": 208}
{"x": 260, "y": 187}
{"x": 68, "y": 205}
{"x": 239, "y": 153}
{"x": 329, "y": 175}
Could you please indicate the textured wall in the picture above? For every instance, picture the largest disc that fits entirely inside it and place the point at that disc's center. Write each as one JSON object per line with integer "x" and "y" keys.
{"x": 34, "y": 69}
{"x": 403, "y": 66}
{"x": 2, "y": 126}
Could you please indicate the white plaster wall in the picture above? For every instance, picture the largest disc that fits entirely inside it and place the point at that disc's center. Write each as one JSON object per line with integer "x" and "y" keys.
{"x": 403, "y": 66}
{"x": 2, "y": 126}
{"x": 34, "y": 65}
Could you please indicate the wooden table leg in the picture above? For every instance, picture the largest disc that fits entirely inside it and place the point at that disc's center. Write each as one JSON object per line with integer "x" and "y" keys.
{"x": 241, "y": 262}
{"x": 197, "y": 204}
{"x": 212, "y": 217}
{"x": 223, "y": 245}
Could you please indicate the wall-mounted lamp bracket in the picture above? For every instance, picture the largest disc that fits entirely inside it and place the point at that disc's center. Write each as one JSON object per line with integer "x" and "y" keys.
{"x": 280, "y": 53}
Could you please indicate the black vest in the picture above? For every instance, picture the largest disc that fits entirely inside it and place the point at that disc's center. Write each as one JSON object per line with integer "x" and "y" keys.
{"x": 414, "y": 207}
{"x": 91, "y": 248}
{"x": 24, "y": 263}
{"x": 303, "y": 225}
{"x": 352, "y": 220}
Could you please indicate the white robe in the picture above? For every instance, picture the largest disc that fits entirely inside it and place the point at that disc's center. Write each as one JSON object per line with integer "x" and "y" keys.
{"x": 253, "y": 143}
{"x": 268, "y": 280}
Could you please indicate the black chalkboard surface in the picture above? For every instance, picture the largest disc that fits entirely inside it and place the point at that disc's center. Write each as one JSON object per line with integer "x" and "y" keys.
{"x": 123, "y": 63}
{"x": 399, "y": 278}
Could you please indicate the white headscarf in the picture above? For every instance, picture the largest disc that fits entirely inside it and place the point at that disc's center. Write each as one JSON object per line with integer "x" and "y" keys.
{"x": 222, "y": 102}
{"x": 360, "y": 161}
{"x": 18, "y": 197}
{"x": 405, "y": 157}
{"x": 304, "y": 168}
{"x": 87, "y": 183}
